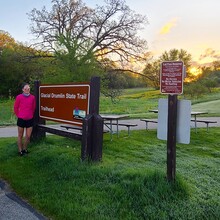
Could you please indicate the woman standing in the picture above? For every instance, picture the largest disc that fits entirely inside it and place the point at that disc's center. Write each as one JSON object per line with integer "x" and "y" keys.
{"x": 24, "y": 108}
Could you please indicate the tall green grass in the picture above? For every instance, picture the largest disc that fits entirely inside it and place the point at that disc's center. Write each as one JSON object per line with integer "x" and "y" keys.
{"x": 129, "y": 183}
{"x": 7, "y": 116}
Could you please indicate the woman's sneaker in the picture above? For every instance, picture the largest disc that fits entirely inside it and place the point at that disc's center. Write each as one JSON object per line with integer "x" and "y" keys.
{"x": 25, "y": 151}
{"x": 20, "y": 153}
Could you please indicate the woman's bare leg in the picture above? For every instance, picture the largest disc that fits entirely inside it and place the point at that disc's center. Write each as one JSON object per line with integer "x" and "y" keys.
{"x": 27, "y": 137}
{"x": 20, "y": 137}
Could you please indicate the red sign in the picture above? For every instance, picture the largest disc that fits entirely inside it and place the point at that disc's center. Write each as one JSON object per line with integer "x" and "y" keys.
{"x": 171, "y": 77}
{"x": 64, "y": 103}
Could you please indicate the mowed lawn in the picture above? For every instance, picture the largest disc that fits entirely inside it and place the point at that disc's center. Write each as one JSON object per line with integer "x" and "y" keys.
{"x": 212, "y": 107}
{"x": 129, "y": 183}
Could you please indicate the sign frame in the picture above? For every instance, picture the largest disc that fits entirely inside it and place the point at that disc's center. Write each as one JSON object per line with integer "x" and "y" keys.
{"x": 77, "y": 119}
{"x": 171, "y": 77}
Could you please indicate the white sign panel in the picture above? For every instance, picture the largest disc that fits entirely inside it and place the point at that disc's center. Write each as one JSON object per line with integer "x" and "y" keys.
{"x": 183, "y": 120}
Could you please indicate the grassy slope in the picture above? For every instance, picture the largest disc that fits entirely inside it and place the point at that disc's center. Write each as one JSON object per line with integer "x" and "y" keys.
{"x": 212, "y": 107}
{"x": 137, "y": 103}
{"x": 128, "y": 184}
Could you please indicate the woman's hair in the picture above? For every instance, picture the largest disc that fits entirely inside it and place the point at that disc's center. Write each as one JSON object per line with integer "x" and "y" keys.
{"x": 24, "y": 84}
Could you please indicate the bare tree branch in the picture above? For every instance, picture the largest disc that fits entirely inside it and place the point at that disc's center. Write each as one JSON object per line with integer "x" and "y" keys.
{"x": 108, "y": 31}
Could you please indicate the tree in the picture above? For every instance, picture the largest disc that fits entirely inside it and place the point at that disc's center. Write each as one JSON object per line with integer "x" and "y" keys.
{"x": 209, "y": 76}
{"x": 7, "y": 69}
{"x": 85, "y": 35}
{"x": 205, "y": 82}
{"x": 216, "y": 65}
{"x": 17, "y": 65}
{"x": 6, "y": 41}
{"x": 177, "y": 55}
{"x": 152, "y": 74}
{"x": 194, "y": 89}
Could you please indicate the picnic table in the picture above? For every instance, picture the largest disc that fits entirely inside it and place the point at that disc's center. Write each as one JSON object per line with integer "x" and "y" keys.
{"x": 112, "y": 119}
{"x": 195, "y": 118}
{"x": 194, "y": 114}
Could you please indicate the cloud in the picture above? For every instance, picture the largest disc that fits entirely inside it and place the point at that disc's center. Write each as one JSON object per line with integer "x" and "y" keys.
{"x": 210, "y": 53}
{"x": 167, "y": 27}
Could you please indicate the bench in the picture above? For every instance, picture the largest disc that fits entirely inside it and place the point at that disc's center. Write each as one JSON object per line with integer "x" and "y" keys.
{"x": 207, "y": 122}
{"x": 76, "y": 128}
{"x": 125, "y": 124}
{"x": 71, "y": 127}
{"x": 148, "y": 121}
{"x": 58, "y": 131}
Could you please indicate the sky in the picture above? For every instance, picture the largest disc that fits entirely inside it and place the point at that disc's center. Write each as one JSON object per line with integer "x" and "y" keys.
{"x": 192, "y": 25}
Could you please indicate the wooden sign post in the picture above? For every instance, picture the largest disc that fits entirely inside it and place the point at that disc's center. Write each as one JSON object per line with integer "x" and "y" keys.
{"x": 75, "y": 104}
{"x": 171, "y": 83}
{"x": 171, "y": 137}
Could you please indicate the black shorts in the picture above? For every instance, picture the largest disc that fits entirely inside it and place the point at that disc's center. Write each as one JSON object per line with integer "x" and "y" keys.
{"x": 25, "y": 123}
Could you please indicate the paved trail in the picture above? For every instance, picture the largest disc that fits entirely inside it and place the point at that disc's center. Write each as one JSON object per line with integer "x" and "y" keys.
{"x": 11, "y": 131}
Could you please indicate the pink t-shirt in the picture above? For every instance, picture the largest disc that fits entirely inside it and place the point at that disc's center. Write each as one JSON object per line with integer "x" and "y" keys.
{"x": 24, "y": 106}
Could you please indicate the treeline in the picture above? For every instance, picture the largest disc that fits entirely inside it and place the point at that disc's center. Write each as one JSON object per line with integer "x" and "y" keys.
{"x": 205, "y": 82}
{"x": 75, "y": 42}
{"x": 20, "y": 63}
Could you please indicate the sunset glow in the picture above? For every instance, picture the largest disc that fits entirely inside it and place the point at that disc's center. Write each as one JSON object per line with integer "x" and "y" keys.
{"x": 195, "y": 71}
{"x": 171, "y": 24}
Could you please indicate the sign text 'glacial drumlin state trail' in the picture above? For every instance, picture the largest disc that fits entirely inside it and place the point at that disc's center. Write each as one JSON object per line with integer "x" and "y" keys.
{"x": 64, "y": 103}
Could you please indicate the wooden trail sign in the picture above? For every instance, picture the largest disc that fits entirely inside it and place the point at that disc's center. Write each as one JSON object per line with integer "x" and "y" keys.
{"x": 64, "y": 103}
